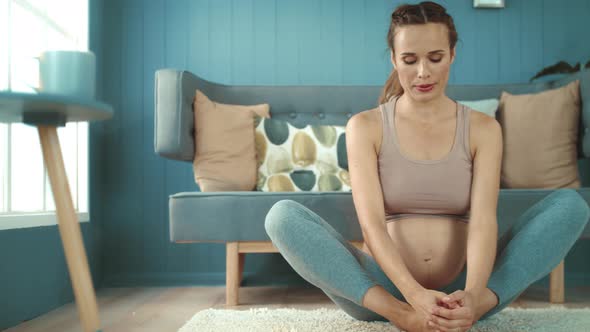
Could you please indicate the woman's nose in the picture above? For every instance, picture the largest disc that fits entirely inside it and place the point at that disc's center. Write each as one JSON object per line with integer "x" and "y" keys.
{"x": 423, "y": 71}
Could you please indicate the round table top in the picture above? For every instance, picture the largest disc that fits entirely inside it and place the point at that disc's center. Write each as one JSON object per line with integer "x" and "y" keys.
{"x": 50, "y": 109}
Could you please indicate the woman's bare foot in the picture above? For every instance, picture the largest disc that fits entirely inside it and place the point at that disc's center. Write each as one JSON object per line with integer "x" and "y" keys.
{"x": 412, "y": 322}
{"x": 397, "y": 312}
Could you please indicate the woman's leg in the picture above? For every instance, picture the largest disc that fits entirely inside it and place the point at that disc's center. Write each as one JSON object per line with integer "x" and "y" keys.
{"x": 536, "y": 243}
{"x": 318, "y": 253}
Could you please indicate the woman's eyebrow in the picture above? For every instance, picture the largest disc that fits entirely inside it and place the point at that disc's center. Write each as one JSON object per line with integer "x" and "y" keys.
{"x": 431, "y": 52}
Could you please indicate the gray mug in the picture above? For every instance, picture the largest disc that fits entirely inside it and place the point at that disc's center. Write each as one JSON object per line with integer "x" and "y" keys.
{"x": 71, "y": 73}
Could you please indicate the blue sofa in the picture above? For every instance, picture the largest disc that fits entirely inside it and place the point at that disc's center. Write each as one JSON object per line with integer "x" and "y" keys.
{"x": 237, "y": 218}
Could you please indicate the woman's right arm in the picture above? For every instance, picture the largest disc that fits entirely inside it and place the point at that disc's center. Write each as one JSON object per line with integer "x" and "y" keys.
{"x": 362, "y": 153}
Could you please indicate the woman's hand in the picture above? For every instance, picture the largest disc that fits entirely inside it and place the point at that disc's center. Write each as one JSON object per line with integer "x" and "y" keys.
{"x": 415, "y": 323}
{"x": 457, "y": 312}
{"x": 425, "y": 301}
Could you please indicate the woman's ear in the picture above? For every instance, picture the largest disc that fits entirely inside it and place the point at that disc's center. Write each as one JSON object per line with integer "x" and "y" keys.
{"x": 453, "y": 53}
{"x": 392, "y": 59}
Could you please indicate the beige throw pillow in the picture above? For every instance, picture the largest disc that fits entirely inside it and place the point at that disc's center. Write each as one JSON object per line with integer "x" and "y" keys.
{"x": 540, "y": 138}
{"x": 225, "y": 156}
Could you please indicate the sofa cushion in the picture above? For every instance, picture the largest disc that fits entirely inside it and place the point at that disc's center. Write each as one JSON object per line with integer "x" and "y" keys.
{"x": 308, "y": 158}
{"x": 205, "y": 216}
{"x": 540, "y": 134}
{"x": 224, "y": 144}
{"x": 239, "y": 216}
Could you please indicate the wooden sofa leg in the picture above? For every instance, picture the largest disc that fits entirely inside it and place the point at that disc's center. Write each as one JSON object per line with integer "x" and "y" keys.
{"x": 235, "y": 259}
{"x": 241, "y": 261}
{"x": 556, "y": 284}
{"x": 232, "y": 273}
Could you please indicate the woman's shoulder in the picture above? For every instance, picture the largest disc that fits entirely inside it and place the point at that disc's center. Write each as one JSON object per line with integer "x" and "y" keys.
{"x": 481, "y": 122}
{"x": 370, "y": 115}
{"x": 483, "y": 129}
{"x": 366, "y": 124}
{"x": 366, "y": 121}
{"x": 478, "y": 118}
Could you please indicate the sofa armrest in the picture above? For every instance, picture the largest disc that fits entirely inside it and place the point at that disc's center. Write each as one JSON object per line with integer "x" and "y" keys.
{"x": 173, "y": 118}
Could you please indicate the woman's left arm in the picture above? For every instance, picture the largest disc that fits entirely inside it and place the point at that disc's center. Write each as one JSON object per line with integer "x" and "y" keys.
{"x": 483, "y": 225}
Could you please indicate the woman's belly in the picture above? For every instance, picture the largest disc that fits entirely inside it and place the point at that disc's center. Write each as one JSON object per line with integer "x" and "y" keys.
{"x": 434, "y": 249}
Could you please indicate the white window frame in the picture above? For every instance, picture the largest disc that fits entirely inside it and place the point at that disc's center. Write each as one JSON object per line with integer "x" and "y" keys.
{"x": 45, "y": 217}
{"x": 28, "y": 220}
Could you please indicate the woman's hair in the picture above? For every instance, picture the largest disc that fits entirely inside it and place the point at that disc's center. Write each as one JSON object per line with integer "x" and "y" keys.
{"x": 422, "y": 13}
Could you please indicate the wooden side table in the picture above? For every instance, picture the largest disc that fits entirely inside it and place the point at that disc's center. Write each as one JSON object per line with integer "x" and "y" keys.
{"x": 47, "y": 112}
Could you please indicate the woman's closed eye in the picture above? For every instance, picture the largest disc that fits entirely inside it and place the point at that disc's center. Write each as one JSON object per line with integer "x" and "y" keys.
{"x": 435, "y": 60}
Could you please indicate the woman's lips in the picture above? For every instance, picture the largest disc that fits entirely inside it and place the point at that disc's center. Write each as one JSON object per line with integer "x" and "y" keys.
{"x": 425, "y": 87}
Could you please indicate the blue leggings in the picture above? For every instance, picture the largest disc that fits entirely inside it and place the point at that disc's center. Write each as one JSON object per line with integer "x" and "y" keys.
{"x": 528, "y": 251}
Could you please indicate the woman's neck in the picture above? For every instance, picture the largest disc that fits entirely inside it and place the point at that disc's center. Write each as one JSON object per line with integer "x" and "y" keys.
{"x": 432, "y": 110}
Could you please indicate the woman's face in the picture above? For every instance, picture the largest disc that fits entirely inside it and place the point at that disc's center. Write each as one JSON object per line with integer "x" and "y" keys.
{"x": 423, "y": 59}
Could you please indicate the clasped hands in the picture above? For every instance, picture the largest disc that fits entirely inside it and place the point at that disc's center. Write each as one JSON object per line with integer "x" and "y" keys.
{"x": 437, "y": 311}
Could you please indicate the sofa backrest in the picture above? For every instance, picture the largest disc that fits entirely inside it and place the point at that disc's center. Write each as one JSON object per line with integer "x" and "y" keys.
{"x": 321, "y": 105}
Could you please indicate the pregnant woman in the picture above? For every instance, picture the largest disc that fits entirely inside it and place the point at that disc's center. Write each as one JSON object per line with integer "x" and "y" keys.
{"x": 425, "y": 173}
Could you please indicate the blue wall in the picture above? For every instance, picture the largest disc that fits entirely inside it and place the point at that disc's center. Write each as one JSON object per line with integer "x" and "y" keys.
{"x": 34, "y": 277}
{"x": 270, "y": 42}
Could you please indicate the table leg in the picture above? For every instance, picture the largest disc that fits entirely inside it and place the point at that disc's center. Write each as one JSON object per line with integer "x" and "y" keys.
{"x": 69, "y": 229}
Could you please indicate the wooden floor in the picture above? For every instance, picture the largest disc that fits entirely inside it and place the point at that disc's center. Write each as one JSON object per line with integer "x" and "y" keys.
{"x": 167, "y": 309}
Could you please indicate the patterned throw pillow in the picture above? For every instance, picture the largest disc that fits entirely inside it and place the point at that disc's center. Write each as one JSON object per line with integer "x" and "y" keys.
{"x": 312, "y": 158}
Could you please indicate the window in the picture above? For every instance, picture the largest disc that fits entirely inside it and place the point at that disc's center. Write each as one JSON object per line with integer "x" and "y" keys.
{"x": 28, "y": 27}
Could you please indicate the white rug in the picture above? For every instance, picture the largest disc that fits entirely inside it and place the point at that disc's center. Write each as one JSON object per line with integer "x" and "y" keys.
{"x": 555, "y": 318}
